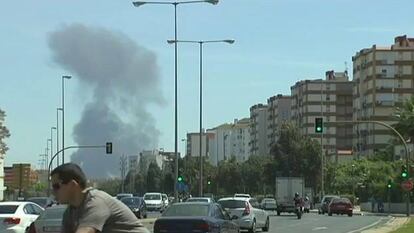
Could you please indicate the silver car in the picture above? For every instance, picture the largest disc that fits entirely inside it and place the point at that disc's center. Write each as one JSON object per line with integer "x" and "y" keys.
{"x": 50, "y": 221}
{"x": 246, "y": 213}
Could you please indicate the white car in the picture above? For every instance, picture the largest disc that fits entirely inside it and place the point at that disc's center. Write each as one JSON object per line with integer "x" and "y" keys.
{"x": 246, "y": 213}
{"x": 154, "y": 201}
{"x": 242, "y": 195}
{"x": 16, "y": 217}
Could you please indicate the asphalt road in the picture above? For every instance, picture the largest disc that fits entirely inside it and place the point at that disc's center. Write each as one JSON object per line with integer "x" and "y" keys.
{"x": 323, "y": 223}
{"x": 312, "y": 223}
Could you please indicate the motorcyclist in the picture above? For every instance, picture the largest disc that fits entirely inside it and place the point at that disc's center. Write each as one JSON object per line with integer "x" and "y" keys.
{"x": 298, "y": 201}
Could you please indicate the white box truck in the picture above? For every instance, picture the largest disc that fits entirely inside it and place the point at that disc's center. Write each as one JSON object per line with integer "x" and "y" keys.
{"x": 286, "y": 187}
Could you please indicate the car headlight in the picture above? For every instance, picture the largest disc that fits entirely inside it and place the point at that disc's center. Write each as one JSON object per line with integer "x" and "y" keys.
{"x": 135, "y": 209}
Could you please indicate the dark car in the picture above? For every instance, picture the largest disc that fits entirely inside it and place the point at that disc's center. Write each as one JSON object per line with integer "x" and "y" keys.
{"x": 195, "y": 217}
{"x": 325, "y": 203}
{"x": 340, "y": 206}
{"x": 42, "y": 201}
{"x": 137, "y": 205}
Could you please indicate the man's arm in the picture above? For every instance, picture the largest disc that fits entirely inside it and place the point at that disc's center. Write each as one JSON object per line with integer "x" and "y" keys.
{"x": 86, "y": 230}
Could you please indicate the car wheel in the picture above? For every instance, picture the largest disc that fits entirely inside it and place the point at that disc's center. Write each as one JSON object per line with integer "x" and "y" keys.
{"x": 253, "y": 229}
{"x": 350, "y": 215}
{"x": 278, "y": 213}
{"x": 267, "y": 225}
{"x": 139, "y": 215}
{"x": 329, "y": 214}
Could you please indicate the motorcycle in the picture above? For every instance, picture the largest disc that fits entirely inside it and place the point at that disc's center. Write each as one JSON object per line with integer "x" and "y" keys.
{"x": 298, "y": 211}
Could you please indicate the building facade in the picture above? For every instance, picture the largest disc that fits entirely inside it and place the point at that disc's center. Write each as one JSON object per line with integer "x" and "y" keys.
{"x": 279, "y": 111}
{"x": 384, "y": 79}
{"x": 258, "y": 130}
{"x": 331, "y": 100}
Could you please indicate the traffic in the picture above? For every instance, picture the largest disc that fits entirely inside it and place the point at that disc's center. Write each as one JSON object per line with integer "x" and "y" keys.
{"x": 235, "y": 213}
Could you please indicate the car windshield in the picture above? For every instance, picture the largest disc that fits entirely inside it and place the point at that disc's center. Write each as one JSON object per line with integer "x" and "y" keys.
{"x": 270, "y": 205}
{"x": 151, "y": 197}
{"x": 187, "y": 210}
{"x": 8, "y": 209}
{"x": 197, "y": 200}
{"x": 232, "y": 204}
{"x": 53, "y": 213}
{"x": 341, "y": 200}
{"x": 131, "y": 201}
{"x": 39, "y": 201}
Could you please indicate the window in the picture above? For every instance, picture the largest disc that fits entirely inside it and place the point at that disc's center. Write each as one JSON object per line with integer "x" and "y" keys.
{"x": 28, "y": 209}
{"x": 8, "y": 209}
{"x": 37, "y": 209}
{"x": 218, "y": 213}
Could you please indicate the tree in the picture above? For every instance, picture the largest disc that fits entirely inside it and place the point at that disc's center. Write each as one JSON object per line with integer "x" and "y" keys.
{"x": 111, "y": 186}
{"x": 405, "y": 117}
{"x": 4, "y": 133}
{"x": 297, "y": 155}
{"x": 154, "y": 178}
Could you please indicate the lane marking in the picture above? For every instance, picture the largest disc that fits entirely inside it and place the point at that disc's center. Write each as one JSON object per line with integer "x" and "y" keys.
{"x": 366, "y": 227}
{"x": 319, "y": 228}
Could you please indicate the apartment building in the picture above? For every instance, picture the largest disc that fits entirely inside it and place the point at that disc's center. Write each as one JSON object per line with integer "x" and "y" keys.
{"x": 278, "y": 112}
{"x": 258, "y": 130}
{"x": 384, "y": 79}
{"x": 331, "y": 99}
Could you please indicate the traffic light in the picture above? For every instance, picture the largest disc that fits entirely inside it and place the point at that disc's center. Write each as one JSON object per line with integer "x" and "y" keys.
{"x": 404, "y": 172}
{"x": 389, "y": 185}
{"x": 109, "y": 147}
{"x": 180, "y": 178}
{"x": 318, "y": 125}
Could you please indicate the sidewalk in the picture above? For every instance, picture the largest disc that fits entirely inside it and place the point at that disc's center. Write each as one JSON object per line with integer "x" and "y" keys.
{"x": 393, "y": 224}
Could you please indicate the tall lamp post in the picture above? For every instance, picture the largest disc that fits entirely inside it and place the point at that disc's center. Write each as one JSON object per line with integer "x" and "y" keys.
{"x": 51, "y": 140}
{"x": 57, "y": 132}
{"x": 175, "y": 4}
{"x": 201, "y": 43}
{"x": 63, "y": 114}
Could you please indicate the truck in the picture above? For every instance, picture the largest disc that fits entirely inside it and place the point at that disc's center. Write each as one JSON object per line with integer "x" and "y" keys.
{"x": 286, "y": 187}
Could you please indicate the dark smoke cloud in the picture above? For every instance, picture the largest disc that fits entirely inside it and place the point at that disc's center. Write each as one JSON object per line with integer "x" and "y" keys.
{"x": 124, "y": 79}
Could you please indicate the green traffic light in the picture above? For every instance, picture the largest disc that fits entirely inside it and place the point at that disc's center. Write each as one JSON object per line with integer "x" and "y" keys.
{"x": 180, "y": 179}
{"x": 404, "y": 175}
{"x": 389, "y": 186}
{"x": 208, "y": 182}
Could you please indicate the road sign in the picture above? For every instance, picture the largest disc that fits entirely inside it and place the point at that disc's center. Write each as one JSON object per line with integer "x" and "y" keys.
{"x": 407, "y": 185}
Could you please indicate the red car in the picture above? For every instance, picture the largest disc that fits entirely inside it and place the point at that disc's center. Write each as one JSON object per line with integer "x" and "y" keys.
{"x": 340, "y": 206}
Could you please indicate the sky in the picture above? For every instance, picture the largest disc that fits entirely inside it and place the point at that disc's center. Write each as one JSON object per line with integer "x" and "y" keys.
{"x": 277, "y": 44}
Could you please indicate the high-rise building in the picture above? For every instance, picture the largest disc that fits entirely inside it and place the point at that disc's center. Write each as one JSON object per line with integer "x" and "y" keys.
{"x": 193, "y": 144}
{"x": 331, "y": 100}
{"x": 279, "y": 111}
{"x": 258, "y": 130}
{"x": 384, "y": 79}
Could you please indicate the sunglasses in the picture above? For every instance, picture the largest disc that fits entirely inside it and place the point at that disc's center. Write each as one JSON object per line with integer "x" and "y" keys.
{"x": 57, "y": 186}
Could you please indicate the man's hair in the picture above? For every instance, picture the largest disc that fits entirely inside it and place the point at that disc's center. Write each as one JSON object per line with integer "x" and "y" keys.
{"x": 70, "y": 171}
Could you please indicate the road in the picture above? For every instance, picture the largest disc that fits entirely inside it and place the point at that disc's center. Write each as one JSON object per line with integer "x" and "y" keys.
{"x": 319, "y": 223}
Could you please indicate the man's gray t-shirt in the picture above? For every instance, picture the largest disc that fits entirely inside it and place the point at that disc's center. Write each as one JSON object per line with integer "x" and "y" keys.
{"x": 102, "y": 212}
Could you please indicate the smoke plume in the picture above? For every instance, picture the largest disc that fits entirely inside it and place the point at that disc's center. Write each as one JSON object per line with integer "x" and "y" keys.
{"x": 124, "y": 80}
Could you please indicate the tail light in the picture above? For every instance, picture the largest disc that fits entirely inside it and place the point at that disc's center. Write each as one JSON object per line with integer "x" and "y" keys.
{"x": 203, "y": 227}
{"x": 32, "y": 228}
{"x": 12, "y": 221}
{"x": 246, "y": 209}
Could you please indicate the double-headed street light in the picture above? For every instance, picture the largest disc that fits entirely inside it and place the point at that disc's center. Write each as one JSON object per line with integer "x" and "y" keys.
{"x": 201, "y": 42}
{"x": 175, "y": 4}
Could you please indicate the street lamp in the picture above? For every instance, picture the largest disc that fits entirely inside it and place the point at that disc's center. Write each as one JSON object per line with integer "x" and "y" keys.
{"x": 57, "y": 132}
{"x": 175, "y": 4}
{"x": 51, "y": 140}
{"x": 201, "y": 42}
{"x": 63, "y": 114}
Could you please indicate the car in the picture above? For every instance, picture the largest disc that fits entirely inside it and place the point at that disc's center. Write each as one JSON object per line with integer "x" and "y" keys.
{"x": 122, "y": 195}
{"x": 200, "y": 199}
{"x": 269, "y": 204}
{"x": 50, "y": 221}
{"x": 325, "y": 203}
{"x": 42, "y": 201}
{"x": 195, "y": 217}
{"x": 16, "y": 217}
{"x": 246, "y": 213}
{"x": 165, "y": 200}
{"x": 340, "y": 206}
{"x": 137, "y": 205}
{"x": 242, "y": 195}
{"x": 154, "y": 202}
